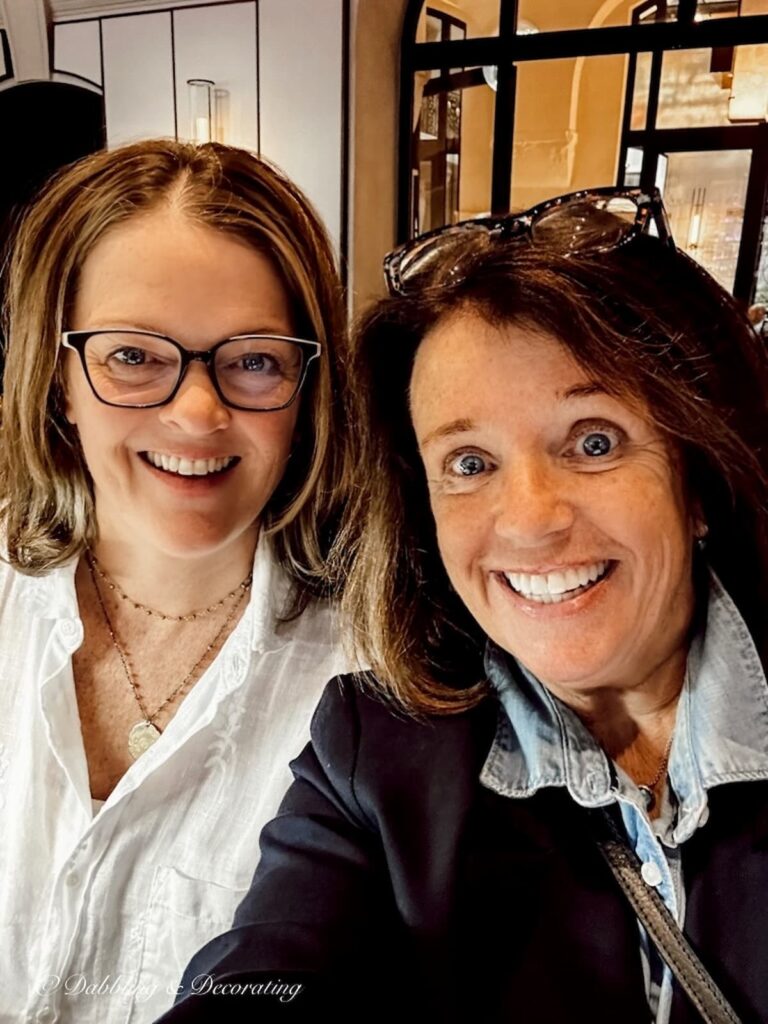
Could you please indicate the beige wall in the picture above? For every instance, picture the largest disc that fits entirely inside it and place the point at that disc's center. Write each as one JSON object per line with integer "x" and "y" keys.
{"x": 375, "y": 77}
{"x": 476, "y": 151}
{"x": 569, "y": 112}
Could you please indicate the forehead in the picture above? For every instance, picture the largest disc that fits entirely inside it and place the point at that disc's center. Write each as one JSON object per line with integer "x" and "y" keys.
{"x": 467, "y": 358}
{"x": 162, "y": 267}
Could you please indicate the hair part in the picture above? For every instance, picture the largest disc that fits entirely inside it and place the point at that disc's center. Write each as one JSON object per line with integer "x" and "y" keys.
{"x": 47, "y": 507}
{"x": 646, "y": 323}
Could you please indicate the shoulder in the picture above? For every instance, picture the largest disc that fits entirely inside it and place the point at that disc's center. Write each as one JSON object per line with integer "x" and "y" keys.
{"x": 310, "y": 640}
{"x": 378, "y": 750}
{"x": 353, "y": 702}
{"x": 16, "y": 585}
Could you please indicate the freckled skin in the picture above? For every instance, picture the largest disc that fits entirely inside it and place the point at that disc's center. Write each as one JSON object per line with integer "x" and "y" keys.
{"x": 165, "y": 273}
{"x": 181, "y": 545}
{"x": 533, "y": 499}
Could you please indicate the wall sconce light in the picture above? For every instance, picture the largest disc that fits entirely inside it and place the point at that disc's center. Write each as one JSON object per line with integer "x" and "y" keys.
{"x": 698, "y": 198}
{"x": 201, "y": 109}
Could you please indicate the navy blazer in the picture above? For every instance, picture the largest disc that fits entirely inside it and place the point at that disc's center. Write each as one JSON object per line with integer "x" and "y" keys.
{"x": 400, "y": 885}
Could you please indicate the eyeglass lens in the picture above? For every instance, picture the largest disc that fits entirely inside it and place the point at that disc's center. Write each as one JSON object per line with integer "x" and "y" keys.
{"x": 434, "y": 253}
{"x": 587, "y": 224}
{"x": 140, "y": 369}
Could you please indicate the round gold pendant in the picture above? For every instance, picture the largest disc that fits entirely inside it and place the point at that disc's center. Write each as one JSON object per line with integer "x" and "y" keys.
{"x": 141, "y": 737}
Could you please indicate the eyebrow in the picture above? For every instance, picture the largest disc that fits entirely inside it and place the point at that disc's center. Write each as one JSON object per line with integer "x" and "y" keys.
{"x": 464, "y": 426}
{"x": 460, "y": 426}
{"x": 122, "y": 325}
{"x": 585, "y": 390}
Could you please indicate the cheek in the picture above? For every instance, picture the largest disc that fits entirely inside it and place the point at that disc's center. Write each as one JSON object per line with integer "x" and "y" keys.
{"x": 103, "y": 432}
{"x": 458, "y": 534}
{"x": 272, "y": 437}
{"x": 651, "y": 523}
{"x": 74, "y": 396}
{"x": 664, "y": 520}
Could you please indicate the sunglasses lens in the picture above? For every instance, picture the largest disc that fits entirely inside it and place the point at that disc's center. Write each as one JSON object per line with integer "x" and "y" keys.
{"x": 590, "y": 223}
{"x": 439, "y": 257}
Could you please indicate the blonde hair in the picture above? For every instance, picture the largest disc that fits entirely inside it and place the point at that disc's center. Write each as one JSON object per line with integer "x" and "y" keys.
{"x": 46, "y": 508}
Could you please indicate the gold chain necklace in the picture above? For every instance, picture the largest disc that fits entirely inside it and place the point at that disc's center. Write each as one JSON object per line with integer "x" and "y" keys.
{"x": 647, "y": 788}
{"x": 144, "y": 733}
{"x": 189, "y": 617}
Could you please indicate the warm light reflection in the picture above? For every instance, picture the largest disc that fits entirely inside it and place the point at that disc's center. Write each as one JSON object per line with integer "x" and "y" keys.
{"x": 749, "y": 90}
{"x": 704, "y": 194}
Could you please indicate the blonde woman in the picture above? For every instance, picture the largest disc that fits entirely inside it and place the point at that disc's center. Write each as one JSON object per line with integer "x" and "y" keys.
{"x": 169, "y": 485}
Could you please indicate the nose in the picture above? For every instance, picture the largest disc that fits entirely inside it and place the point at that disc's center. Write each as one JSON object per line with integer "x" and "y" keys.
{"x": 532, "y": 503}
{"x": 196, "y": 408}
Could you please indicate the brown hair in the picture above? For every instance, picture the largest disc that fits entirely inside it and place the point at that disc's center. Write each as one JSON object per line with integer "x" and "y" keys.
{"x": 46, "y": 505}
{"x": 644, "y": 321}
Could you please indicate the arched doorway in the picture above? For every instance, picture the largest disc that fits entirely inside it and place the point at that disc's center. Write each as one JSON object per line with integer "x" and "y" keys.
{"x": 46, "y": 125}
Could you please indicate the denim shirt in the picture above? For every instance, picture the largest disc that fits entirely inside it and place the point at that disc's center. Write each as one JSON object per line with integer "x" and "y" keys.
{"x": 720, "y": 735}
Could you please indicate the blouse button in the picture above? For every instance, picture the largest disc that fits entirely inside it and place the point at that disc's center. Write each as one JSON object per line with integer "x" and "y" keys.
{"x": 651, "y": 873}
{"x": 71, "y": 631}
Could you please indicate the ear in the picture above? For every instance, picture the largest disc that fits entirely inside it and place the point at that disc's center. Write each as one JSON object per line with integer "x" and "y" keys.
{"x": 700, "y": 527}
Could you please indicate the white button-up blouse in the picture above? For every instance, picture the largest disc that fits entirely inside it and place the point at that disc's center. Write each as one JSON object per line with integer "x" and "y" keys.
{"x": 101, "y": 906}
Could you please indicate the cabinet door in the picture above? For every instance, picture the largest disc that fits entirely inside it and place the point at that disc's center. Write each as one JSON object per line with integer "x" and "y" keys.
{"x": 300, "y": 76}
{"x": 77, "y": 50}
{"x": 138, "y": 77}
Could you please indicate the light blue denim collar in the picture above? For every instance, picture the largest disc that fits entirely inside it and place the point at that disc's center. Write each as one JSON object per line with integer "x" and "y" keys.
{"x": 721, "y": 730}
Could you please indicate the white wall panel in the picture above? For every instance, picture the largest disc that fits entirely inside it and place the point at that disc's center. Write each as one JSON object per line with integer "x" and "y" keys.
{"x": 138, "y": 77}
{"x": 300, "y": 76}
{"x": 219, "y": 43}
{"x": 77, "y": 49}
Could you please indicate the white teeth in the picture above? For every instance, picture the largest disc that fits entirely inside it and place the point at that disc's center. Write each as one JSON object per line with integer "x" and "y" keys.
{"x": 553, "y": 587}
{"x": 539, "y": 585}
{"x": 583, "y": 575}
{"x": 188, "y": 467}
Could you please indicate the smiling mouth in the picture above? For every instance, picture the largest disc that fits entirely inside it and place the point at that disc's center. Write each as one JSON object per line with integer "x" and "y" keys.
{"x": 555, "y": 587}
{"x": 178, "y": 466}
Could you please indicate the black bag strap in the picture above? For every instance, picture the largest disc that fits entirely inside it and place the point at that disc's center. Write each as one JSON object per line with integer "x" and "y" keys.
{"x": 661, "y": 927}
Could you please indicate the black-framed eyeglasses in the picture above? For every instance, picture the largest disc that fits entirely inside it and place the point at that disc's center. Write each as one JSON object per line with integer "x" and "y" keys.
{"x": 591, "y": 221}
{"x": 137, "y": 369}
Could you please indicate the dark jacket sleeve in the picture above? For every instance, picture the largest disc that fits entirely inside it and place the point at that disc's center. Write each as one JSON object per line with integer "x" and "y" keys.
{"x": 320, "y": 904}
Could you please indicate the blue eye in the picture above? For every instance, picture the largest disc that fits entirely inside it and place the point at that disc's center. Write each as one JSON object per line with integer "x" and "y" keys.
{"x": 596, "y": 443}
{"x": 468, "y": 465}
{"x": 131, "y": 356}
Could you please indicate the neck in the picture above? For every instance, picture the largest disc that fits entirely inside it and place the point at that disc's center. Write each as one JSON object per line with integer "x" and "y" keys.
{"x": 170, "y": 583}
{"x": 634, "y": 724}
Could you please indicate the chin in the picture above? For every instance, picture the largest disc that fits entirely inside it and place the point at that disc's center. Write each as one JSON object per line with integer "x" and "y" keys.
{"x": 198, "y": 541}
{"x": 580, "y": 671}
